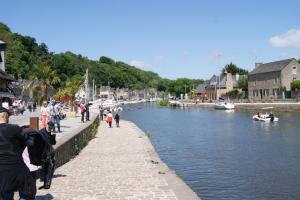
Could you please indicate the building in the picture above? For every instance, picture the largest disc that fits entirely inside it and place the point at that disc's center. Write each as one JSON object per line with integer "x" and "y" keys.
{"x": 220, "y": 85}
{"x": 6, "y": 94}
{"x": 200, "y": 91}
{"x": 122, "y": 93}
{"x": 106, "y": 92}
{"x": 273, "y": 80}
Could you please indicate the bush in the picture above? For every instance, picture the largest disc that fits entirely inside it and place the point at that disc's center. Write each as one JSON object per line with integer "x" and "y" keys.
{"x": 163, "y": 102}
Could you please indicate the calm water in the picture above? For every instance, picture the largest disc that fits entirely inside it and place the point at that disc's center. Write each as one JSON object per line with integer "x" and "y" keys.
{"x": 226, "y": 155}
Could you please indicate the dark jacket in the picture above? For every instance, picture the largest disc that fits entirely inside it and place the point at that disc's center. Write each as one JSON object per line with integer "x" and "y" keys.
{"x": 14, "y": 175}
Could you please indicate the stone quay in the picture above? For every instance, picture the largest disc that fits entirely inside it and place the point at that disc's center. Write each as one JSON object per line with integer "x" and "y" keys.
{"x": 121, "y": 164}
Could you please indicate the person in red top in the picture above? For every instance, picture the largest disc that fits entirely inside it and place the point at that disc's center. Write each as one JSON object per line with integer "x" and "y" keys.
{"x": 109, "y": 118}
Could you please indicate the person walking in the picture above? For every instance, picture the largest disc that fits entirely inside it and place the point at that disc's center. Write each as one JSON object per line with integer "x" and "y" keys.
{"x": 101, "y": 113}
{"x": 82, "y": 110}
{"x": 87, "y": 112}
{"x": 117, "y": 118}
{"x": 109, "y": 118}
{"x": 49, "y": 161}
{"x": 34, "y": 106}
{"x": 14, "y": 174}
{"x": 22, "y": 107}
{"x": 54, "y": 114}
{"x": 45, "y": 114}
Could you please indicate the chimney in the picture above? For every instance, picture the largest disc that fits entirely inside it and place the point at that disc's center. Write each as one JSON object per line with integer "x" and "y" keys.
{"x": 258, "y": 64}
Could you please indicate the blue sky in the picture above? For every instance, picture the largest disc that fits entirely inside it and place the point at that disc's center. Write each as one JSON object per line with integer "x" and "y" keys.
{"x": 174, "y": 38}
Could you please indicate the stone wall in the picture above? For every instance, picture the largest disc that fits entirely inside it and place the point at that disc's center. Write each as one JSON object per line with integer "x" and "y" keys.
{"x": 68, "y": 147}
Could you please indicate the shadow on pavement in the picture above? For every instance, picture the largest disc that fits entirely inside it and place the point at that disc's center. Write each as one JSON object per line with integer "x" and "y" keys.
{"x": 44, "y": 197}
{"x": 59, "y": 175}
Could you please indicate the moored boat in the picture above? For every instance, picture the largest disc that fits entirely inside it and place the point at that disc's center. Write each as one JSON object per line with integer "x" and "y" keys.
{"x": 224, "y": 105}
{"x": 265, "y": 118}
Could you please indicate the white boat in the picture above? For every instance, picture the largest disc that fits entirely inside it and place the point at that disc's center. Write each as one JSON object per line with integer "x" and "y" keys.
{"x": 224, "y": 105}
{"x": 108, "y": 104}
{"x": 265, "y": 118}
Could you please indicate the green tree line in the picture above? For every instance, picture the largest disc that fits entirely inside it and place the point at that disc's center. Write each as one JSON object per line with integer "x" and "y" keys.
{"x": 27, "y": 59}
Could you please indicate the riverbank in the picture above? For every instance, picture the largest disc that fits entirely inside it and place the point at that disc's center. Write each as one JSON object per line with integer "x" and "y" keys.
{"x": 282, "y": 107}
{"x": 120, "y": 163}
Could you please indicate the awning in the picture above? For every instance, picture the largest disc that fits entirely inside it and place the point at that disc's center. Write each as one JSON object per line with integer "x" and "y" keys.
{"x": 7, "y": 94}
{"x": 6, "y": 76}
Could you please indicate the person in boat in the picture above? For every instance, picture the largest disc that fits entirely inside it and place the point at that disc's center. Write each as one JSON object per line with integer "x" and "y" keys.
{"x": 258, "y": 115}
{"x": 271, "y": 115}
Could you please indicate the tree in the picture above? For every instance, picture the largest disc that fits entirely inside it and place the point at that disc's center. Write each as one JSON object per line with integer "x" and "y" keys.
{"x": 43, "y": 76}
{"x": 295, "y": 85}
{"x": 243, "y": 83}
{"x": 73, "y": 85}
{"x": 107, "y": 60}
{"x": 233, "y": 69}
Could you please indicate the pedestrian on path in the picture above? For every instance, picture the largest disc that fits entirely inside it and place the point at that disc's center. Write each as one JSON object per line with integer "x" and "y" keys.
{"x": 101, "y": 113}
{"x": 54, "y": 113}
{"x": 87, "y": 112}
{"x": 82, "y": 110}
{"x": 117, "y": 118}
{"x": 49, "y": 162}
{"x": 14, "y": 174}
{"x": 45, "y": 112}
{"x": 109, "y": 118}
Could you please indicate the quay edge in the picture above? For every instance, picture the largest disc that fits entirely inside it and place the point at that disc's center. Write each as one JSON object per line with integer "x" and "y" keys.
{"x": 180, "y": 188}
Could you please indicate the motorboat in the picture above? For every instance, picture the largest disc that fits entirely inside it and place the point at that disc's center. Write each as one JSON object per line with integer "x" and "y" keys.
{"x": 265, "y": 118}
{"x": 224, "y": 105}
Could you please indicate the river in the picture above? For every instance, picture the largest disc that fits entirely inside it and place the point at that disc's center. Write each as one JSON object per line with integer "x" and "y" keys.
{"x": 226, "y": 155}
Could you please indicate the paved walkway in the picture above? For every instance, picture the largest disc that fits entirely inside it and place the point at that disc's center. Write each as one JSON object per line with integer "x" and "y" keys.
{"x": 67, "y": 125}
{"x": 120, "y": 163}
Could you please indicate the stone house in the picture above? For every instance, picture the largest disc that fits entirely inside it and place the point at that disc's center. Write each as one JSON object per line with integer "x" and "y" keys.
{"x": 106, "y": 92}
{"x": 200, "y": 91}
{"x": 219, "y": 85}
{"x": 122, "y": 93}
{"x": 273, "y": 80}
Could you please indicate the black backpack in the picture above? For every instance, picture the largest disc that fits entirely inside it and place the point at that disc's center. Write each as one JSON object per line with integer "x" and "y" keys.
{"x": 40, "y": 150}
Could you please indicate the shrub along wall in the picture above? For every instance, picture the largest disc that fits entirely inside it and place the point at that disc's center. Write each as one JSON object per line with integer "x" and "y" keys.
{"x": 68, "y": 148}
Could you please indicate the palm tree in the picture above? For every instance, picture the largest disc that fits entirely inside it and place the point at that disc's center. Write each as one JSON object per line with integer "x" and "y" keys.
{"x": 73, "y": 85}
{"x": 43, "y": 77}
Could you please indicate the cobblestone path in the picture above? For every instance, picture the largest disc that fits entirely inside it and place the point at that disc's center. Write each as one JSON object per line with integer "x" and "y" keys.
{"x": 120, "y": 163}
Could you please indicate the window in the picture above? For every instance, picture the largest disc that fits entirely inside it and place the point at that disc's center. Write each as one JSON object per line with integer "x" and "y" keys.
{"x": 294, "y": 71}
{"x": 275, "y": 92}
{"x": 265, "y": 82}
{"x": 276, "y": 81}
{"x": 254, "y": 83}
{"x": 255, "y": 93}
{"x": 266, "y": 92}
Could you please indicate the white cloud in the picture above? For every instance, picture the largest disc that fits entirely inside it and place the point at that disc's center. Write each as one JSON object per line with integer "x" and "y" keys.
{"x": 140, "y": 64}
{"x": 288, "y": 39}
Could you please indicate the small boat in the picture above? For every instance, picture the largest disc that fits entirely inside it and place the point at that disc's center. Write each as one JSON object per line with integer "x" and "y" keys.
{"x": 223, "y": 105}
{"x": 265, "y": 118}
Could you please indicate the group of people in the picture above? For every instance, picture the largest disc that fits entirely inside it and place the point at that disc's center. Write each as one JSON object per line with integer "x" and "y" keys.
{"x": 107, "y": 115}
{"x": 52, "y": 112}
{"x": 85, "y": 111}
{"x": 19, "y": 107}
{"x": 23, "y": 152}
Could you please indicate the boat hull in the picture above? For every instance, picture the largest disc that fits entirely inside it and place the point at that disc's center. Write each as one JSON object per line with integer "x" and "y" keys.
{"x": 265, "y": 118}
{"x": 224, "y": 106}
